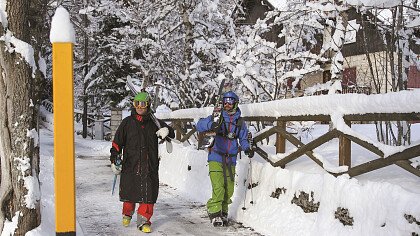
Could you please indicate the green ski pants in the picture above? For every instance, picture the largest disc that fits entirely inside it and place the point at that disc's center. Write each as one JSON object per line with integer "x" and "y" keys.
{"x": 219, "y": 201}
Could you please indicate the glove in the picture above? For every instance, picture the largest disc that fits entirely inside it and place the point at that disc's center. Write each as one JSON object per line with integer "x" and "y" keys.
{"x": 114, "y": 155}
{"x": 214, "y": 126}
{"x": 112, "y": 159}
{"x": 162, "y": 132}
{"x": 116, "y": 169}
{"x": 249, "y": 152}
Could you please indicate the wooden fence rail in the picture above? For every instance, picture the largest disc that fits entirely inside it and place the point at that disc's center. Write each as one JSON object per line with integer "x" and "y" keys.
{"x": 401, "y": 159}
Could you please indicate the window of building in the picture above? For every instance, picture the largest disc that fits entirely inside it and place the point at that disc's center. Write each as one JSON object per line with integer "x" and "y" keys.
{"x": 349, "y": 77}
{"x": 413, "y": 77}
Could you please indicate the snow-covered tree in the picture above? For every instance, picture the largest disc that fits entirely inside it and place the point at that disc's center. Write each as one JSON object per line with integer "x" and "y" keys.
{"x": 301, "y": 37}
{"x": 269, "y": 66}
{"x": 22, "y": 68}
{"x": 180, "y": 45}
{"x": 396, "y": 22}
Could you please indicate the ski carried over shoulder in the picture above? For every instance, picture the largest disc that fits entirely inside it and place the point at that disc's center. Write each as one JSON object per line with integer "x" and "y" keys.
{"x": 168, "y": 142}
{"x": 206, "y": 139}
{"x": 167, "y": 139}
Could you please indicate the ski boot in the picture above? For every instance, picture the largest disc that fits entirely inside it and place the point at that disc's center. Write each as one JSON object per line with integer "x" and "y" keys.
{"x": 145, "y": 228}
{"x": 126, "y": 220}
{"x": 225, "y": 218}
{"x": 217, "y": 221}
{"x": 143, "y": 224}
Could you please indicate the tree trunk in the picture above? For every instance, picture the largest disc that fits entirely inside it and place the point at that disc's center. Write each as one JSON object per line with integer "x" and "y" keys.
{"x": 85, "y": 72}
{"x": 188, "y": 53}
{"x": 400, "y": 48}
{"x": 392, "y": 48}
{"x": 19, "y": 99}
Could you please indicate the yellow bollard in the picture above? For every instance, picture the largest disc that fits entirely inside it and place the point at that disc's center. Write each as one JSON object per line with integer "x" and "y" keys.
{"x": 64, "y": 165}
{"x": 62, "y": 39}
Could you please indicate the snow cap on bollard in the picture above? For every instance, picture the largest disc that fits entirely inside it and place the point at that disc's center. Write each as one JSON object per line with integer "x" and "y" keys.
{"x": 62, "y": 30}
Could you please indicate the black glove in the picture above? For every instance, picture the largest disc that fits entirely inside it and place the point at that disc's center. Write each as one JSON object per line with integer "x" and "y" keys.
{"x": 114, "y": 156}
{"x": 214, "y": 126}
{"x": 249, "y": 152}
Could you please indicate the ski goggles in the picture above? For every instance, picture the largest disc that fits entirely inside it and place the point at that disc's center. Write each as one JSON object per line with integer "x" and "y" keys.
{"x": 229, "y": 101}
{"x": 140, "y": 104}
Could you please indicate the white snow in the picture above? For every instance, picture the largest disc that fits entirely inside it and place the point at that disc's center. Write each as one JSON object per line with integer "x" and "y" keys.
{"x": 414, "y": 23}
{"x": 346, "y": 104}
{"x": 279, "y": 4}
{"x": 34, "y": 135}
{"x": 22, "y": 164}
{"x": 351, "y": 31}
{"x": 374, "y": 3}
{"x": 11, "y": 226}
{"x": 327, "y": 7}
{"x": 42, "y": 65}
{"x": 334, "y": 105}
{"x": 370, "y": 203}
{"x": 3, "y": 14}
{"x": 62, "y": 30}
{"x": 377, "y": 201}
{"x": 14, "y": 44}
{"x": 86, "y": 10}
{"x": 33, "y": 196}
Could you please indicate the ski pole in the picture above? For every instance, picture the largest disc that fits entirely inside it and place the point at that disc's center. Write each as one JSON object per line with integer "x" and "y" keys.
{"x": 251, "y": 146}
{"x": 250, "y": 179}
{"x": 113, "y": 185}
{"x": 247, "y": 176}
{"x": 117, "y": 163}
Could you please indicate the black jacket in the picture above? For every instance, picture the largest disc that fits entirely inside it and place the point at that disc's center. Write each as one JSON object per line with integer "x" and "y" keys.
{"x": 136, "y": 137}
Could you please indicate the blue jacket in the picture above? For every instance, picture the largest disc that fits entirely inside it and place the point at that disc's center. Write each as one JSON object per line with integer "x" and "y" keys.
{"x": 222, "y": 144}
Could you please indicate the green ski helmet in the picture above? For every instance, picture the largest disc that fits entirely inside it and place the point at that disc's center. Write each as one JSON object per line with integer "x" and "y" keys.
{"x": 141, "y": 100}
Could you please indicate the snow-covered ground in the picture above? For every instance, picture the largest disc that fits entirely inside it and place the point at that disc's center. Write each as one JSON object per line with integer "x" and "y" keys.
{"x": 302, "y": 199}
{"x": 99, "y": 213}
{"x": 378, "y": 202}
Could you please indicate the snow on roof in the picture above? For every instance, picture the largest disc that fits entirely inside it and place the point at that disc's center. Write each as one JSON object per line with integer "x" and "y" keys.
{"x": 278, "y": 4}
{"x": 414, "y": 23}
{"x": 374, "y": 3}
{"x": 342, "y": 104}
{"x": 282, "y": 4}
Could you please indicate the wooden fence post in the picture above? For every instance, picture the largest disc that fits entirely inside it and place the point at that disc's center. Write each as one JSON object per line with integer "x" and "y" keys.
{"x": 280, "y": 140}
{"x": 116, "y": 117}
{"x": 344, "y": 151}
{"x": 178, "y": 126}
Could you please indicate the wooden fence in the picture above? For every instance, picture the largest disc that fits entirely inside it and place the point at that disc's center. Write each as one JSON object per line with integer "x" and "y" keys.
{"x": 401, "y": 159}
{"x": 92, "y": 118}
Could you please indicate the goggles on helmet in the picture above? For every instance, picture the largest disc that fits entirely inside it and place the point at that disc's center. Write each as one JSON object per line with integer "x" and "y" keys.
{"x": 140, "y": 104}
{"x": 229, "y": 100}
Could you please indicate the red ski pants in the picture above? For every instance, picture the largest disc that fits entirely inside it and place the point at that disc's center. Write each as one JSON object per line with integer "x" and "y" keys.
{"x": 144, "y": 209}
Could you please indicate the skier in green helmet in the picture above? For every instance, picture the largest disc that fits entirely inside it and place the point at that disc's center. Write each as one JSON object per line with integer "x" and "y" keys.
{"x": 137, "y": 138}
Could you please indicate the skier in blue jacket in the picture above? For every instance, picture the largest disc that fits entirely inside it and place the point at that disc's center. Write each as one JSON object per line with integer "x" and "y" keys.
{"x": 222, "y": 155}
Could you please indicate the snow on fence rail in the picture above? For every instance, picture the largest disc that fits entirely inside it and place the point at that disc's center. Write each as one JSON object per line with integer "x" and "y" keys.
{"x": 340, "y": 111}
{"x": 77, "y": 113}
{"x": 92, "y": 118}
{"x": 48, "y": 105}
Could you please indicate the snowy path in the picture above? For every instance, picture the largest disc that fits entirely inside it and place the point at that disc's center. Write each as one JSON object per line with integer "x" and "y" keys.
{"x": 99, "y": 213}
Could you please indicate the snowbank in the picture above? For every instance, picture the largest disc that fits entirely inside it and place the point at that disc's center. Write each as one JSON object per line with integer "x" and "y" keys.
{"x": 341, "y": 104}
{"x": 335, "y": 206}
